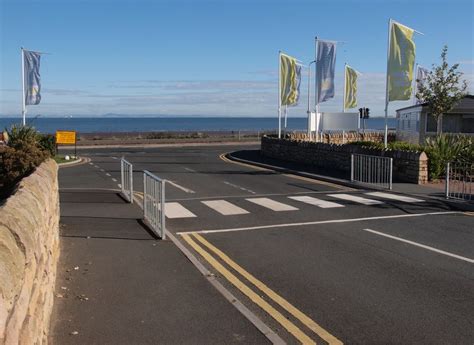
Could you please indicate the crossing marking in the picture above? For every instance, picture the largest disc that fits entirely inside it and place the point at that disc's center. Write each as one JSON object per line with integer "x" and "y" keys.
{"x": 316, "y": 202}
{"x": 176, "y": 210}
{"x": 394, "y": 197}
{"x": 224, "y": 207}
{"x": 239, "y": 187}
{"x": 272, "y": 204}
{"x": 255, "y": 298}
{"x": 306, "y": 320}
{"x": 459, "y": 257}
{"x": 357, "y": 199}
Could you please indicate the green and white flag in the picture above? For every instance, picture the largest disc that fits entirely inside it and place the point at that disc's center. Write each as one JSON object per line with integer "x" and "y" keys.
{"x": 290, "y": 80}
{"x": 350, "y": 88}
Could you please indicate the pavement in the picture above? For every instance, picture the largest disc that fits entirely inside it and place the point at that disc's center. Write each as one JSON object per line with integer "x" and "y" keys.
{"x": 313, "y": 260}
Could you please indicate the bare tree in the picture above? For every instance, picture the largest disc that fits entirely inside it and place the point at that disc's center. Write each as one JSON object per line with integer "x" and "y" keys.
{"x": 442, "y": 89}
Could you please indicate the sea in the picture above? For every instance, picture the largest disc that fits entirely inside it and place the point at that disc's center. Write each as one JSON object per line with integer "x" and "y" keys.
{"x": 174, "y": 124}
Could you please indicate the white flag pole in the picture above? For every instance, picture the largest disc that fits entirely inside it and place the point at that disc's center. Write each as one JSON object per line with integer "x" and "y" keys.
{"x": 415, "y": 84}
{"x": 309, "y": 99}
{"x": 279, "y": 94}
{"x": 23, "y": 102}
{"x": 385, "y": 138}
{"x": 344, "y": 92}
{"x": 316, "y": 91}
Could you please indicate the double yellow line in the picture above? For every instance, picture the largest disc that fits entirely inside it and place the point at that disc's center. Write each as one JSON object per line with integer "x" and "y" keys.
{"x": 254, "y": 297}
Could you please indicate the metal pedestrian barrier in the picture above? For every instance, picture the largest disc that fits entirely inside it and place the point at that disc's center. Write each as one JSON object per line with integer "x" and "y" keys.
{"x": 459, "y": 181}
{"x": 372, "y": 170}
{"x": 154, "y": 203}
{"x": 126, "y": 174}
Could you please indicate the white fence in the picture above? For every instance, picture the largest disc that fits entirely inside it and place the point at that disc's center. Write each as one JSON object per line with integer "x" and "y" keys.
{"x": 459, "y": 181}
{"x": 154, "y": 203}
{"x": 373, "y": 170}
{"x": 126, "y": 174}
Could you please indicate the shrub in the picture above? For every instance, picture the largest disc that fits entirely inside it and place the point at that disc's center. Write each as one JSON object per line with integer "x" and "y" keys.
{"x": 25, "y": 151}
{"x": 48, "y": 143}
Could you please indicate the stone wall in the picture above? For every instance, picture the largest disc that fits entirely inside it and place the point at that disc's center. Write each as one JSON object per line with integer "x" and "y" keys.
{"x": 408, "y": 166}
{"x": 346, "y": 137}
{"x": 29, "y": 250}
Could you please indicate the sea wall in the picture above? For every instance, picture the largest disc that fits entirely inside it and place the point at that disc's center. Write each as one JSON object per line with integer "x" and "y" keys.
{"x": 408, "y": 166}
{"x": 29, "y": 250}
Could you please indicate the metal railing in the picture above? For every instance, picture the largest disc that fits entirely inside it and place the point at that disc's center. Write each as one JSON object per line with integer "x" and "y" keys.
{"x": 154, "y": 203}
{"x": 459, "y": 182}
{"x": 126, "y": 174}
{"x": 372, "y": 170}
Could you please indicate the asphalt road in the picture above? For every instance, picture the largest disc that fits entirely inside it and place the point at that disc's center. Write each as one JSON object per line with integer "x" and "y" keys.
{"x": 315, "y": 261}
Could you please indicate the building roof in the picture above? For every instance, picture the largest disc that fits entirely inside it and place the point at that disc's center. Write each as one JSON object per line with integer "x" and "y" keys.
{"x": 426, "y": 103}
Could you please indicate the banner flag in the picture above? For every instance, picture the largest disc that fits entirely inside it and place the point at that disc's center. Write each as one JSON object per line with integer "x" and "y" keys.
{"x": 421, "y": 75}
{"x": 325, "y": 65}
{"x": 350, "y": 92}
{"x": 290, "y": 79}
{"x": 401, "y": 58}
{"x": 32, "y": 77}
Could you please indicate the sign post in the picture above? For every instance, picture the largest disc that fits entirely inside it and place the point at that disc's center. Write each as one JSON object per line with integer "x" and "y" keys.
{"x": 67, "y": 138}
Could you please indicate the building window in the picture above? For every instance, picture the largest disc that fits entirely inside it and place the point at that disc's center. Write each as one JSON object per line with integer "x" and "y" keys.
{"x": 431, "y": 124}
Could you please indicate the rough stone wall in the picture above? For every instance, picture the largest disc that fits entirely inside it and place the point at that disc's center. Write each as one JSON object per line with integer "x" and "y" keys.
{"x": 346, "y": 137}
{"x": 408, "y": 166}
{"x": 29, "y": 250}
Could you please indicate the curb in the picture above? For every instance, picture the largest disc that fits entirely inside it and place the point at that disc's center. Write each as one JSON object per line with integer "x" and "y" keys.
{"x": 458, "y": 205}
{"x": 78, "y": 161}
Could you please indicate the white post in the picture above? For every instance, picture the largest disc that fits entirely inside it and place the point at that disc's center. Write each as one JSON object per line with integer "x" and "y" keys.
{"x": 344, "y": 92}
{"x": 308, "y": 111}
{"x": 316, "y": 91}
{"x": 385, "y": 139}
{"x": 23, "y": 102}
{"x": 279, "y": 94}
{"x": 286, "y": 116}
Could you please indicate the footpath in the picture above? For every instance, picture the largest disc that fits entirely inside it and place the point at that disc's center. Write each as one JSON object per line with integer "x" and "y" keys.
{"x": 117, "y": 284}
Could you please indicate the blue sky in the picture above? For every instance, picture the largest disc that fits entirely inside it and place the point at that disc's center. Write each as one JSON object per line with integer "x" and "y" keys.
{"x": 209, "y": 57}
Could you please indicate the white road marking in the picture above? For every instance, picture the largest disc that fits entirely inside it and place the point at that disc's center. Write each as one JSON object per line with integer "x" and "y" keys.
{"x": 119, "y": 185}
{"x": 108, "y": 174}
{"x": 190, "y": 170}
{"x": 90, "y": 163}
{"x": 95, "y": 166}
{"x": 316, "y": 202}
{"x": 421, "y": 246}
{"x": 114, "y": 158}
{"x": 272, "y": 204}
{"x": 176, "y": 210}
{"x": 357, "y": 199}
{"x": 350, "y": 220}
{"x": 114, "y": 179}
{"x": 102, "y": 170}
{"x": 224, "y": 207}
{"x": 184, "y": 189}
{"x": 394, "y": 197}
{"x": 239, "y": 187}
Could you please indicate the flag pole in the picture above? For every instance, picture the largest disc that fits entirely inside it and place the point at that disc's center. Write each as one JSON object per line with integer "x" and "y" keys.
{"x": 309, "y": 99}
{"x": 415, "y": 83}
{"x": 316, "y": 91}
{"x": 344, "y": 93}
{"x": 279, "y": 94}
{"x": 385, "y": 139}
{"x": 23, "y": 103}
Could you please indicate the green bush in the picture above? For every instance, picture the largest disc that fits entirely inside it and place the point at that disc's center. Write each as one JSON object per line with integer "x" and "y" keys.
{"x": 48, "y": 143}
{"x": 26, "y": 150}
{"x": 446, "y": 148}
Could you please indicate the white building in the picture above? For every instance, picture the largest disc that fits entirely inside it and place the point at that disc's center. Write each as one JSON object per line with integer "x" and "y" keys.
{"x": 415, "y": 123}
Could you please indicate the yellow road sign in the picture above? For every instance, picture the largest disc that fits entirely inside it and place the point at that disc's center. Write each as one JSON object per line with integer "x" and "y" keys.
{"x": 65, "y": 137}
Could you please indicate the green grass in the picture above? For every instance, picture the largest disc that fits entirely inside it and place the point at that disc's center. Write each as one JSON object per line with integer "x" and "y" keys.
{"x": 60, "y": 159}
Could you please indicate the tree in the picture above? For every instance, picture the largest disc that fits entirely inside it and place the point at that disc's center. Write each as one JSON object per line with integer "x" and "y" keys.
{"x": 442, "y": 89}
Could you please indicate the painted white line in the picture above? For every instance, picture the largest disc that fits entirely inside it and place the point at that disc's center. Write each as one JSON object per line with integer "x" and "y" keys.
{"x": 119, "y": 185}
{"x": 224, "y": 207}
{"x": 316, "y": 202}
{"x": 114, "y": 179}
{"x": 184, "y": 189}
{"x": 102, "y": 170}
{"x": 394, "y": 197}
{"x": 272, "y": 204}
{"x": 95, "y": 166}
{"x": 357, "y": 199}
{"x": 421, "y": 246}
{"x": 350, "y": 220}
{"x": 176, "y": 210}
{"x": 90, "y": 163}
{"x": 114, "y": 158}
{"x": 108, "y": 174}
{"x": 239, "y": 187}
{"x": 190, "y": 170}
